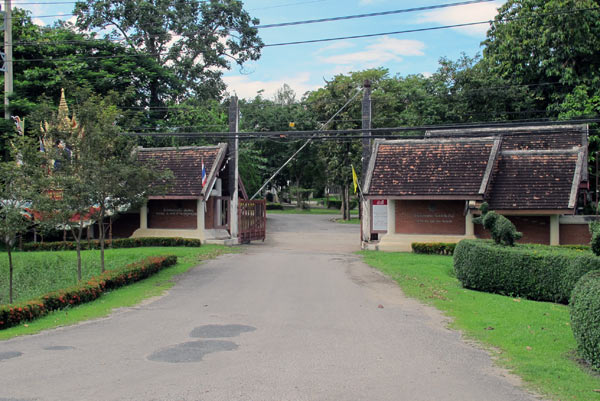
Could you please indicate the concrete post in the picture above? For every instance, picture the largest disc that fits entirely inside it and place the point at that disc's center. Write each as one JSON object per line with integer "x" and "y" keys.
{"x": 234, "y": 121}
{"x": 144, "y": 216}
{"x": 555, "y": 230}
{"x": 8, "y": 54}
{"x": 200, "y": 216}
{"x": 391, "y": 209}
{"x": 366, "y": 220}
{"x": 469, "y": 225}
{"x": 366, "y": 124}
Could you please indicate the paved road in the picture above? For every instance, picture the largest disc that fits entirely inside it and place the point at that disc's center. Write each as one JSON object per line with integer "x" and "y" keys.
{"x": 296, "y": 318}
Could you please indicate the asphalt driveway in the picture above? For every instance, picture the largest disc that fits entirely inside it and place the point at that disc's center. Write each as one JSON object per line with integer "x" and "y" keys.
{"x": 298, "y": 317}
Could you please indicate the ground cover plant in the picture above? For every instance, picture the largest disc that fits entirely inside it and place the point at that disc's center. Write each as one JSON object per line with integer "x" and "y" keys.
{"x": 125, "y": 296}
{"x": 532, "y": 339}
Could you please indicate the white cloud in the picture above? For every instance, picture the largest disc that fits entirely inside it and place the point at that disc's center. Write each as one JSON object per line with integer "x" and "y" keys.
{"x": 464, "y": 14}
{"x": 383, "y": 50}
{"x": 246, "y": 88}
{"x": 335, "y": 46}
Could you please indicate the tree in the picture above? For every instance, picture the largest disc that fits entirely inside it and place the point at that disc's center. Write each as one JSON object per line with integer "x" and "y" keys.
{"x": 16, "y": 191}
{"x": 114, "y": 179}
{"x": 550, "y": 46}
{"x": 193, "y": 39}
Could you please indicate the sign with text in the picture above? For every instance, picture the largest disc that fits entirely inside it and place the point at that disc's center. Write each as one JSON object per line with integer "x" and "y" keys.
{"x": 380, "y": 214}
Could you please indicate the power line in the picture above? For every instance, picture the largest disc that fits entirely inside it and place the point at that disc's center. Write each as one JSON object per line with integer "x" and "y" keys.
{"x": 377, "y": 14}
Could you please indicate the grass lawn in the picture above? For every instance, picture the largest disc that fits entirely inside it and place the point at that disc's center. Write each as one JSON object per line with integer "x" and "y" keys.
{"x": 308, "y": 211}
{"x": 532, "y": 339}
{"x": 40, "y": 272}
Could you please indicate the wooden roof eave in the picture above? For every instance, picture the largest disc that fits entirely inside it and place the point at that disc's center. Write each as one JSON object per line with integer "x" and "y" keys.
{"x": 212, "y": 175}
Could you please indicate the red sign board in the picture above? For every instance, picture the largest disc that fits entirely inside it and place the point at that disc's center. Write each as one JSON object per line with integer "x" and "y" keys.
{"x": 380, "y": 202}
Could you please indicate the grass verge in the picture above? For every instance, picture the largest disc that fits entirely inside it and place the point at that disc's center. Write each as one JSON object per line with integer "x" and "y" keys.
{"x": 532, "y": 339}
{"x": 126, "y": 296}
{"x": 354, "y": 220}
{"x": 307, "y": 211}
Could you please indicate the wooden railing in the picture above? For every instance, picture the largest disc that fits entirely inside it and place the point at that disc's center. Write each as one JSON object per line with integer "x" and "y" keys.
{"x": 252, "y": 220}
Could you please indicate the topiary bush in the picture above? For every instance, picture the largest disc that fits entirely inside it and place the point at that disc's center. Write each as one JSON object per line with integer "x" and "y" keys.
{"x": 537, "y": 272}
{"x": 502, "y": 229}
{"x": 585, "y": 317}
{"x": 595, "y": 241}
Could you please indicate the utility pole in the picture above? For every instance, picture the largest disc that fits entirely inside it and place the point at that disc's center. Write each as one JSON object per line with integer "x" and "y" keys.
{"x": 8, "y": 57}
{"x": 233, "y": 156}
{"x": 365, "y": 205}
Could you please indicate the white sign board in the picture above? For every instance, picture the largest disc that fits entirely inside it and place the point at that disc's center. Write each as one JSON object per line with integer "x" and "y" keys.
{"x": 380, "y": 214}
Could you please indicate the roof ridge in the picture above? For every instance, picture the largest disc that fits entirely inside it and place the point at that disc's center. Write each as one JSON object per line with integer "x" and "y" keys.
{"x": 141, "y": 148}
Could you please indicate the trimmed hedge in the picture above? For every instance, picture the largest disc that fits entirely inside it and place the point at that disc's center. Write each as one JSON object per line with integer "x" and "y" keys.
{"x": 585, "y": 317}
{"x": 12, "y": 315}
{"x": 337, "y": 204}
{"x": 439, "y": 248}
{"x": 537, "y": 272}
{"x": 274, "y": 206}
{"x": 116, "y": 243}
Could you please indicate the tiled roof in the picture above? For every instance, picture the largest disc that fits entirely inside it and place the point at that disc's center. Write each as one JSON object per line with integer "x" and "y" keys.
{"x": 528, "y": 180}
{"x": 432, "y": 167}
{"x": 186, "y": 165}
{"x": 514, "y": 168}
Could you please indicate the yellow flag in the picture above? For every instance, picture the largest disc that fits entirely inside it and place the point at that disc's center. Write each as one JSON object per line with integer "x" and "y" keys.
{"x": 354, "y": 179}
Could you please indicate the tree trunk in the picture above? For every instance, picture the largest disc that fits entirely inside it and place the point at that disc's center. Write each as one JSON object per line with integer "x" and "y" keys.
{"x": 101, "y": 235}
{"x": 10, "y": 274}
{"x": 77, "y": 235}
{"x": 64, "y": 235}
{"x": 347, "y": 202}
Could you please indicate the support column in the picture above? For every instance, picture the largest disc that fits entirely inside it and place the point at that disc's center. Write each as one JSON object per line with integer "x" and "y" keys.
{"x": 234, "y": 121}
{"x": 365, "y": 205}
{"x": 366, "y": 124}
{"x": 200, "y": 216}
{"x": 555, "y": 229}
{"x": 391, "y": 218}
{"x": 469, "y": 225}
{"x": 144, "y": 216}
{"x": 8, "y": 54}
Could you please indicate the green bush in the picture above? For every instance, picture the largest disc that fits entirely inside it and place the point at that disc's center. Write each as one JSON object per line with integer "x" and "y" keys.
{"x": 502, "y": 229}
{"x": 337, "y": 204}
{"x": 274, "y": 206}
{"x": 542, "y": 273}
{"x": 439, "y": 248}
{"x": 116, "y": 243}
{"x": 585, "y": 317}
{"x": 595, "y": 242}
{"x": 12, "y": 315}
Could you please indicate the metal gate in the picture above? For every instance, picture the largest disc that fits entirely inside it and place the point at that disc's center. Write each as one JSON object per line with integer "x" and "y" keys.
{"x": 252, "y": 220}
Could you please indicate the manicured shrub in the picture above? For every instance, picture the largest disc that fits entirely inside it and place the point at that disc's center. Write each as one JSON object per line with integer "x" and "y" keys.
{"x": 274, "y": 206}
{"x": 502, "y": 229}
{"x": 539, "y": 272}
{"x": 439, "y": 248}
{"x": 337, "y": 204}
{"x": 595, "y": 242}
{"x": 116, "y": 243}
{"x": 585, "y": 317}
{"x": 12, "y": 315}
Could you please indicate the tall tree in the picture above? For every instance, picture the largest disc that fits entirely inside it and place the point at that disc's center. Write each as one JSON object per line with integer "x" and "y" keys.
{"x": 16, "y": 191}
{"x": 194, "y": 39}
{"x": 550, "y": 46}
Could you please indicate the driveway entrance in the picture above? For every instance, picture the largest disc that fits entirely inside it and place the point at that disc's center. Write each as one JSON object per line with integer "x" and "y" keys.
{"x": 298, "y": 317}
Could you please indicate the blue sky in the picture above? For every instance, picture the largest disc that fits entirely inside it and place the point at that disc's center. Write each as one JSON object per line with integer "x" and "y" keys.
{"x": 305, "y": 67}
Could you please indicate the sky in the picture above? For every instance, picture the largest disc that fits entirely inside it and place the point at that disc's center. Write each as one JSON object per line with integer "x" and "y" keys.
{"x": 306, "y": 67}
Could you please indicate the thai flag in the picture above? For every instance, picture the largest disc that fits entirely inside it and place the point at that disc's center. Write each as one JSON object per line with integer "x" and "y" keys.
{"x": 203, "y": 175}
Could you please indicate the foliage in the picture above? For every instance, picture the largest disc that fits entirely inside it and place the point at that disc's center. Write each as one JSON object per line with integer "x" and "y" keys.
{"x": 595, "y": 241}
{"x": 193, "y": 39}
{"x": 274, "y": 206}
{"x": 585, "y": 317}
{"x": 502, "y": 229}
{"x": 433, "y": 248}
{"x": 540, "y": 272}
{"x": 82, "y": 293}
{"x": 115, "y": 243}
{"x": 532, "y": 339}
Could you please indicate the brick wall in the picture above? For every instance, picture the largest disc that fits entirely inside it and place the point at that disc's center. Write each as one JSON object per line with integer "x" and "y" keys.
{"x": 430, "y": 217}
{"x": 574, "y": 234}
{"x": 535, "y": 229}
{"x": 172, "y": 214}
{"x": 125, "y": 225}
